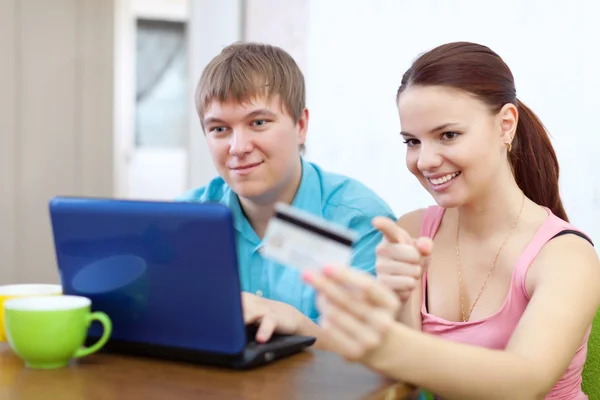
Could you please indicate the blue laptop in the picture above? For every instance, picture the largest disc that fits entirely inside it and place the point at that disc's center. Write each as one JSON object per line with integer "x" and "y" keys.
{"x": 166, "y": 273}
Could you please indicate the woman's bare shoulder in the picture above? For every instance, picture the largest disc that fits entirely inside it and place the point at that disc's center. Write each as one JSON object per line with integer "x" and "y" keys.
{"x": 411, "y": 221}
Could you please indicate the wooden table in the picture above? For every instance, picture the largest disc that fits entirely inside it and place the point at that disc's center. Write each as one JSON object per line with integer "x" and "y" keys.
{"x": 310, "y": 375}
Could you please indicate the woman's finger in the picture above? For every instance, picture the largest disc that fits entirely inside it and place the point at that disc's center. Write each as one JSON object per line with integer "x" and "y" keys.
{"x": 322, "y": 304}
{"x": 342, "y": 343}
{"x": 363, "y": 333}
{"x": 339, "y": 293}
{"x": 391, "y": 231}
{"x": 400, "y": 252}
{"x": 404, "y": 296}
{"x": 391, "y": 267}
{"x": 424, "y": 245}
{"x": 398, "y": 282}
{"x": 377, "y": 293}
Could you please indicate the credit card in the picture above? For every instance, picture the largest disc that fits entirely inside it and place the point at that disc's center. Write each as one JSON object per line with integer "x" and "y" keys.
{"x": 299, "y": 239}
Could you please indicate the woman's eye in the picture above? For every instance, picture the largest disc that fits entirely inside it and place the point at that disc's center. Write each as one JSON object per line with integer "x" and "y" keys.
{"x": 411, "y": 142}
{"x": 449, "y": 135}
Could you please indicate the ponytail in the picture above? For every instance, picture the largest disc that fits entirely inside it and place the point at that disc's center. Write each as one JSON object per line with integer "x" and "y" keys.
{"x": 534, "y": 162}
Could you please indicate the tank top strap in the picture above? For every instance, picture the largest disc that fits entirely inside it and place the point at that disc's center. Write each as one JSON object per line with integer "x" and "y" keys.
{"x": 549, "y": 229}
{"x": 432, "y": 219}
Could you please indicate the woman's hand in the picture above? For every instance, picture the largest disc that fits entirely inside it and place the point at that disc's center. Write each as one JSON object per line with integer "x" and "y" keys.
{"x": 401, "y": 259}
{"x": 356, "y": 311}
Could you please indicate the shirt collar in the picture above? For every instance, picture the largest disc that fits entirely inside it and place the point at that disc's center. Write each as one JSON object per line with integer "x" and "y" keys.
{"x": 308, "y": 198}
{"x": 309, "y": 194}
{"x": 240, "y": 222}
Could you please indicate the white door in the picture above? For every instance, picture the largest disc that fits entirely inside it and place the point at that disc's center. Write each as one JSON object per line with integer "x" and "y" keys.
{"x": 155, "y": 95}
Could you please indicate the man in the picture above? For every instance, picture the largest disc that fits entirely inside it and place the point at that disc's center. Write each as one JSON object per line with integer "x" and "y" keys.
{"x": 251, "y": 104}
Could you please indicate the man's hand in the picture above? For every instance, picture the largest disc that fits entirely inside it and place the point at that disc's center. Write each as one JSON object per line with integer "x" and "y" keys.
{"x": 272, "y": 316}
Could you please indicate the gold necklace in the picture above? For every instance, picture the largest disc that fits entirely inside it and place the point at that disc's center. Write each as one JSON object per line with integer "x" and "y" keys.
{"x": 460, "y": 288}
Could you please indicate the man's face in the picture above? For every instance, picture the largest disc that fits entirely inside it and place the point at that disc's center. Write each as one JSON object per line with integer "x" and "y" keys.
{"x": 255, "y": 146}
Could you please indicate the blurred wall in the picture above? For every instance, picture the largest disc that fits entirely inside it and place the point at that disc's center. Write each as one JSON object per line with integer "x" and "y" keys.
{"x": 280, "y": 23}
{"x": 213, "y": 25}
{"x": 56, "y": 121}
{"x": 358, "y": 51}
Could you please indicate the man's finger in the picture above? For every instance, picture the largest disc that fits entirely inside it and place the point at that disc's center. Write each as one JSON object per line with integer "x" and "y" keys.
{"x": 250, "y": 317}
{"x": 266, "y": 329}
{"x": 391, "y": 232}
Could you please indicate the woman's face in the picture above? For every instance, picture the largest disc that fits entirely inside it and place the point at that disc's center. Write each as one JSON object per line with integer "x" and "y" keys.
{"x": 456, "y": 147}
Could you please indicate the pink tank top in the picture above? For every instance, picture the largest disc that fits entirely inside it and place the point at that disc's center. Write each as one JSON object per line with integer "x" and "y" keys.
{"x": 494, "y": 332}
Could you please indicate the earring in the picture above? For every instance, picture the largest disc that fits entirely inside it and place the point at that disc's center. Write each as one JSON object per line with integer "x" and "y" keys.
{"x": 509, "y": 146}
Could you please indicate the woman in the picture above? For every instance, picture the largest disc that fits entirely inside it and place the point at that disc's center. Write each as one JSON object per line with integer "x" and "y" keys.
{"x": 496, "y": 297}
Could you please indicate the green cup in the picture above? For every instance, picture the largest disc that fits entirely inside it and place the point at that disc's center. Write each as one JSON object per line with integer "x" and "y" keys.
{"x": 47, "y": 332}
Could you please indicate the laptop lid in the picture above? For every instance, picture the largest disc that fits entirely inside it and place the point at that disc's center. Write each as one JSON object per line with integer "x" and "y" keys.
{"x": 165, "y": 272}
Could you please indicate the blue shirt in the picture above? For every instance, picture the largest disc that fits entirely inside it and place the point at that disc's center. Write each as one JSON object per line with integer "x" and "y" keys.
{"x": 331, "y": 196}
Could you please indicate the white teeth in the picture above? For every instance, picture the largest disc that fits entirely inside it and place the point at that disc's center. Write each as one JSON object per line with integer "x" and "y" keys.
{"x": 444, "y": 179}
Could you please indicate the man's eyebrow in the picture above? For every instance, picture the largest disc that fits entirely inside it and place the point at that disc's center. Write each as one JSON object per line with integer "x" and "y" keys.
{"x": 212, "y": 120}
{"x": 434, "y": 130}
{"x": 261, "y": 112}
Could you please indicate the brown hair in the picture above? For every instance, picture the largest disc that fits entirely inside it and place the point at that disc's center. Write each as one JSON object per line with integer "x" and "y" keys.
{"x": 478, "y": 70}
{"x": 243, "y": 71}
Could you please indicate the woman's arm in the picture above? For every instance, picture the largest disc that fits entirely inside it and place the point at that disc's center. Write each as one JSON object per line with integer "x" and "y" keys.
{"x": 566, "y": 294}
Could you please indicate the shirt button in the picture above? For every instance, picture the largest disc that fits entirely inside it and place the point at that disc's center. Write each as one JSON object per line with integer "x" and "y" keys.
{"x": 259, "y": 293}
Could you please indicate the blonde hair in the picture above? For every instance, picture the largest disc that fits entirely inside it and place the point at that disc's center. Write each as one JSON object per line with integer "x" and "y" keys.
{"x": 244, "y": 71}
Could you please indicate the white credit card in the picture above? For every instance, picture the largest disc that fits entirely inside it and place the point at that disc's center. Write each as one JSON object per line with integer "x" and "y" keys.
{"x": 299, "y": 239}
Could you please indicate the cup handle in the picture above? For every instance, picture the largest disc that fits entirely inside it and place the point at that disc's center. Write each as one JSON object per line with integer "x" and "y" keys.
{"x": 106, "y": 324}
